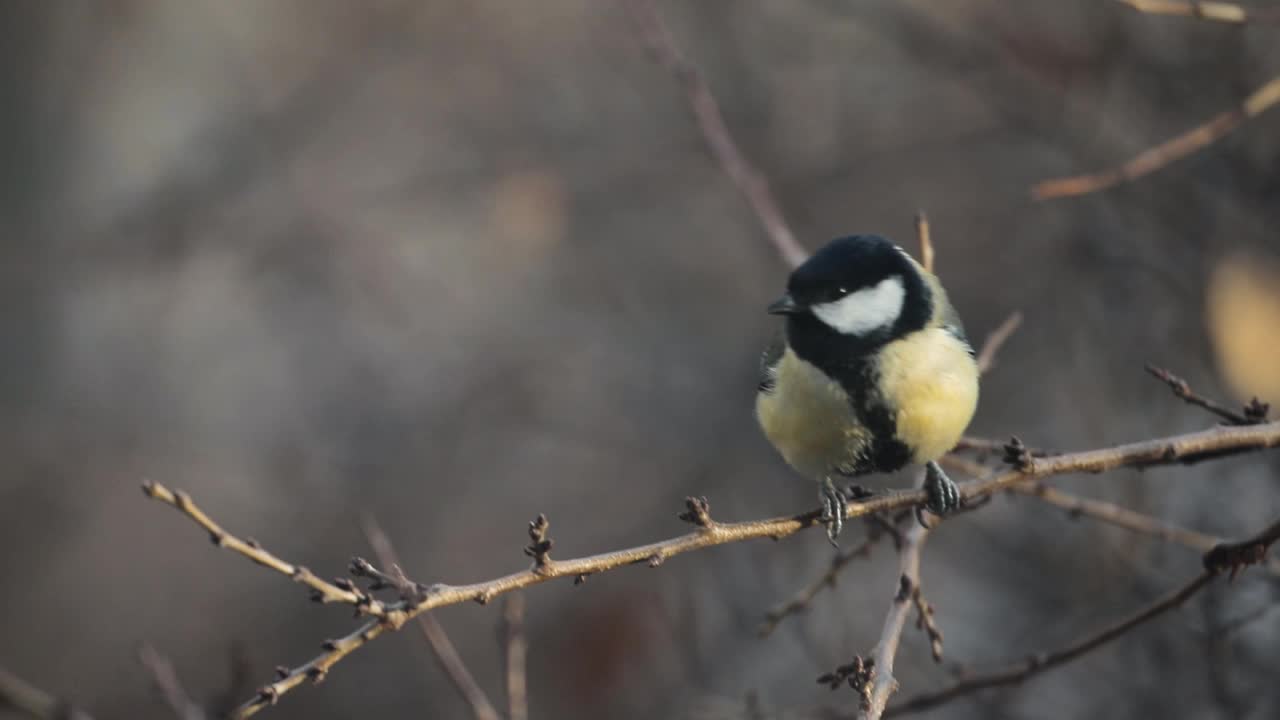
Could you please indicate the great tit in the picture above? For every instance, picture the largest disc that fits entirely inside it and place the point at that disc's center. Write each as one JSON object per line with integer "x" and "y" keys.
{"x": 872, "y": 373}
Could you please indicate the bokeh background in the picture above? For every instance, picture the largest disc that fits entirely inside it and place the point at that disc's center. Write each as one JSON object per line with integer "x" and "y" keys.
{"x": 455, "y": 263}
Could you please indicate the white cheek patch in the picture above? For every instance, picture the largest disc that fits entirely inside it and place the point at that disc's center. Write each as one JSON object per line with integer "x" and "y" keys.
{"x": 858, "y": 313}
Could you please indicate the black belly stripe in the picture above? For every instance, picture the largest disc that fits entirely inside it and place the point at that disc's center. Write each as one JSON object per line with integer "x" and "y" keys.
{"x": 887, "y": 453}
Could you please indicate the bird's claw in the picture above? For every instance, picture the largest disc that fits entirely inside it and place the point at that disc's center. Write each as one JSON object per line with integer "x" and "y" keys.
{"x": 941, "y": 491}
{"x": 834, "y": 505}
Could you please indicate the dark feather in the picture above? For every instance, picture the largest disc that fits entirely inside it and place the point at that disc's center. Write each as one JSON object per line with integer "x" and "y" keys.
{"x": 769, "y": 360}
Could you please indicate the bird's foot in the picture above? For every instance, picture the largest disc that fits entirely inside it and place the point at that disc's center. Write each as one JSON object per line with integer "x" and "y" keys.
{"x": 834, "y": 504}
{"x": 943, "y": 495}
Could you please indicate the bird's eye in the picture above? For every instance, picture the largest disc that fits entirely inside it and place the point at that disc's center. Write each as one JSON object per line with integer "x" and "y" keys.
{"x": 839, "y": 292}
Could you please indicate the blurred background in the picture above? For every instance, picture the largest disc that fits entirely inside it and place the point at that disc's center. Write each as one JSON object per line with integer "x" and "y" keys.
{"x": 455, "y": 263}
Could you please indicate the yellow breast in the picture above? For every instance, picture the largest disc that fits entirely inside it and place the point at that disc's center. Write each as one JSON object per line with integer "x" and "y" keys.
{"x": 812, "y": 423}
{"x": 931, "y": 380}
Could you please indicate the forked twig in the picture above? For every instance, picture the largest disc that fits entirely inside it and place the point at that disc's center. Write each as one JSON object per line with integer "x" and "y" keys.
{"x": 437, "y": 639}
{"x": 1033, "y": 665}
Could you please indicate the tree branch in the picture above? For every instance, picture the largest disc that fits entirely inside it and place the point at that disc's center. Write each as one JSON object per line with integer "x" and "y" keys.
{"x": 167, "y": 683}
{"x": 882, "y": 657}
{"x": 996, "y": 340}
{"x": 437, "y": 639}
{"x": 1223, "y": 557}
{"x": 1255, "y": 412}
{"x": 321, "y": 591}
{"x": 801, "y": 600}
{"x": 517, "y": 648}
{"x": 750, "y": 182}
{"x": 1128, "y": 519}
{"x": 1187, "y": 448}
{"x": 1034, "y": 665}
{"x": 1167, "y": 152}
{"x": 33, "y": 702}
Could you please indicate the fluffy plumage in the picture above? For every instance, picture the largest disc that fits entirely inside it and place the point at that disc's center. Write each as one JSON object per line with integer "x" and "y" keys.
{"x": 873, "y": 372}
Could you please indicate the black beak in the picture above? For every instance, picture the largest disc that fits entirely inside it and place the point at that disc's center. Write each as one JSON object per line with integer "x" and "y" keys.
{"x": 785, "y": 305}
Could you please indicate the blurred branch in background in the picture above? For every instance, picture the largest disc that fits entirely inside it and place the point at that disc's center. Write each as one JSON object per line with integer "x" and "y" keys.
{"x": 18, "y": 695}
{"x": 1165, "y": 153}
{"x": 517, "y": 647}
{"x": 432, "y": 631}
{"x": 657, "y": 40}
{"x": 165, "y": 678}
{"x": 1035, "y": 664}
{"x": 877, "y": 528}
{"x": 1195, "y": 139}
{"x": 1204, "y": 10}
{"x": 1226, "y": 557}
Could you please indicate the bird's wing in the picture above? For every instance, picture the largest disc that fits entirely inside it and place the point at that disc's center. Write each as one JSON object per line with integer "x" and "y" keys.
{"x": 769, "y": 363}
{"x": 952, "y": 324}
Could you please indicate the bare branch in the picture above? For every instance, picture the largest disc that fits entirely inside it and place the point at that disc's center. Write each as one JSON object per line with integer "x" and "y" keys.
{"x": 801, "y": 600}
{"x": 167, "y": 683}
{"x": 995, "y": 340}
{"x": 1034, "y": 665}
{"x": 883, "y": 684}
{"x": 322, "y": 591}
{"x": 1203, "y": 9}
{"x": 1234, "y": 556}
{"x": 1256, "y": 411}
{"x": 1165, "y": 153}
{"x": 441, "y": 646}
{"x": 1106, "y": 512}
{"x": 657, "y": 40}
{"x": 17, "y": 694}
{"x": 985, "y": 446}
{"x": 1188, "y": 448}
{"x": 517, "y": 646}
{"x": 926, "y": 623}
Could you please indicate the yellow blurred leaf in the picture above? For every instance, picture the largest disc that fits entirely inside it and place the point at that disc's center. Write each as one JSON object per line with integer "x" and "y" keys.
{"x": 1243, "y": 314}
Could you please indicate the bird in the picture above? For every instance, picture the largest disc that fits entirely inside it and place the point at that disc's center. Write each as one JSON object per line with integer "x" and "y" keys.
{"x": 872, "y": 372}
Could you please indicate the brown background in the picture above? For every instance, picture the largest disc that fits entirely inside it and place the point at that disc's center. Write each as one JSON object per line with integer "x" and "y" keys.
{"x": 458, "y": 263}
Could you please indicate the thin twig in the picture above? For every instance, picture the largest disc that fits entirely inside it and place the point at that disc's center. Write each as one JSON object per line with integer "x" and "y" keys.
{"x": 1183, "y": 392}
{"x": 926, "y": 623}
{"x": 1236, "y": 555}
{"x": 517, "y": 648}
{"x": 883, "y": 683}
{"x": 925, "y": 240}
{"x": 1180, "y": 449}
{"x": 801, "y": 600}
{"x": 1106, "y": 512}
{"x": 995, "y": 340}
{"x": 986, "y": 446}
{"x": 21, "y": 696}
{"x": 1203, "y": 10}
{"x": 167, "y": 683}
{"x": 1017, "y": 672}
{"x": 1167, "y": 152}
{"x": 657, "y": 39}
{"x": 1128, "y": 519}
{"x": 441, "y": 646}
{"x": 322, "y": 591}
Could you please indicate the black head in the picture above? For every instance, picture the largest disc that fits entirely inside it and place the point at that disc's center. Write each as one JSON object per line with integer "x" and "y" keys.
{"x": 851, "y": 297}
